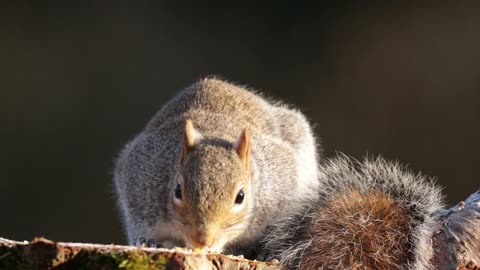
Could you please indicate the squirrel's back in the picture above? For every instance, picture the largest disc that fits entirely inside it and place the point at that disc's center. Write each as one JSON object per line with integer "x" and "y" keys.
{"x": 215, "y": 104}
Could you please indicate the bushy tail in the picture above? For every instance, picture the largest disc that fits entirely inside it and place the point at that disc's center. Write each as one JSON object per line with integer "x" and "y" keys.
{"x": 370, "y": 215}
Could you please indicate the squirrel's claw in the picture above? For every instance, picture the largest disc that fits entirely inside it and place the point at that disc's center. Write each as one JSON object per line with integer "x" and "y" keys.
{"x": 141, "y": 241}
{"x": 144, "y": 242}
{"x": 152, "y": 243}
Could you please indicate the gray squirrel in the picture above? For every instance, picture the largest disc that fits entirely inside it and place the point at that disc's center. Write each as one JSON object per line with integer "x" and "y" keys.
{"x": 223, "y": 168}
{"x": 214, "y": 168}
{"x": 370, "y": 214}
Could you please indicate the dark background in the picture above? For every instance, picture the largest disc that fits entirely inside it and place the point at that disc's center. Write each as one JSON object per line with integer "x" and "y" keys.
{"x": 77, "y": 82}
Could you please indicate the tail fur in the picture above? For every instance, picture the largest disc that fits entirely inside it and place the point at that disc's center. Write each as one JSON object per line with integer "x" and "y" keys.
{"x": 370, "y": 215}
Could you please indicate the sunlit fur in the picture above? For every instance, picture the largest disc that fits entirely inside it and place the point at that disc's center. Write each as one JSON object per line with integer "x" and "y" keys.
{"x": 371, "y": 215}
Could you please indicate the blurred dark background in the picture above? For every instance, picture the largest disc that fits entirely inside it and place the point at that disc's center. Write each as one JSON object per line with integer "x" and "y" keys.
{"x": 78, "y": 81}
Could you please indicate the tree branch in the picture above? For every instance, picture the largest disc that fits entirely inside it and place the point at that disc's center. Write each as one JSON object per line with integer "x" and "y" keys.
{"x": 45, "y": 254}
{"x": 456, "y": 244}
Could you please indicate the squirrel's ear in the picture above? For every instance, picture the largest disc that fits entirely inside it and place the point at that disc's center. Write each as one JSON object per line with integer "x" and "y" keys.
{"x": 242, "y": 147}
{"x": 191, "y": 138}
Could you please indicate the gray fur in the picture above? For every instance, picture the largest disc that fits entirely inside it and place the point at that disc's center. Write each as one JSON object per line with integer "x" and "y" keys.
{"x": 288, "y": 240}
{"x": 146, "y": 170}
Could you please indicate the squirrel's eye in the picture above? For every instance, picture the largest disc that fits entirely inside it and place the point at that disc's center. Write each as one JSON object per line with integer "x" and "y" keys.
{"x": 240, "y": 197}
{"x": 178, "y": 191}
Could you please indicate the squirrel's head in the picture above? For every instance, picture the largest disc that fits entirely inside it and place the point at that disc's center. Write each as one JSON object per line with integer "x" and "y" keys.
{"x": 212, "y": 194}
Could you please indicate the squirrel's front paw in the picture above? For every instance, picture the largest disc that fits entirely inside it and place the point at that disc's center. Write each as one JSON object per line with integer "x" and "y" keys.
{"x": 144, "y": 242}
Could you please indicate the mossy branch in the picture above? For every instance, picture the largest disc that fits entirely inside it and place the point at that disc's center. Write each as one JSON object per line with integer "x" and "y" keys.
{"x": 45, "y": 254}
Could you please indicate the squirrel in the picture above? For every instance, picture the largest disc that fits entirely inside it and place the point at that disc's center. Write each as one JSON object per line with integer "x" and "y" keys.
{"x": 214, "y": 168}
{"x": 370, "y": 214}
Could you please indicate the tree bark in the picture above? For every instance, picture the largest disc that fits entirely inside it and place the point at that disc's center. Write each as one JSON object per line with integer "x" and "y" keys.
{"x": 456, "y": 244}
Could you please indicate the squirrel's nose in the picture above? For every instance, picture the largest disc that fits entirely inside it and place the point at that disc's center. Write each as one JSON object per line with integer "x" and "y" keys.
{"x": 202, "y": 239}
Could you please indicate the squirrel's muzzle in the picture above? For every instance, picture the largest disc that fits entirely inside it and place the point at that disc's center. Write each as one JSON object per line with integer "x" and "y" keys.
{"x": 203, "y": 238}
